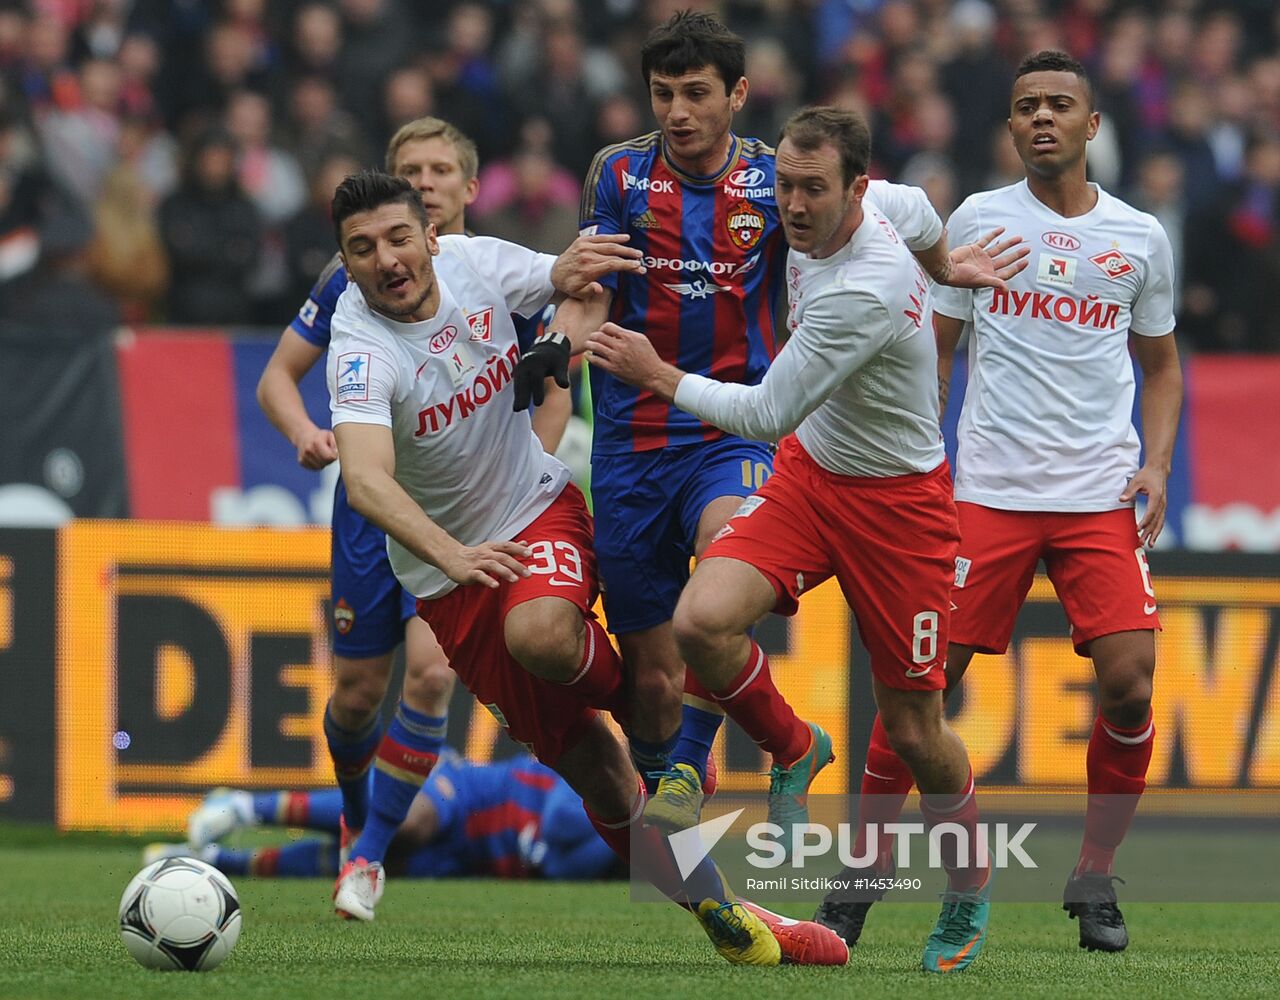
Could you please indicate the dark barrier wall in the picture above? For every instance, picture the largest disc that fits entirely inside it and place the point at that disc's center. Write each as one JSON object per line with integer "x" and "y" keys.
{"x": 152, "y": 661}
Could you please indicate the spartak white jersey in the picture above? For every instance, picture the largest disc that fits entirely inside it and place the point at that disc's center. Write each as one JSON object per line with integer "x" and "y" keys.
{"x": 858, "y": 379}
{"x": 444, "y": 388}
{"x": 1046, "y": 423}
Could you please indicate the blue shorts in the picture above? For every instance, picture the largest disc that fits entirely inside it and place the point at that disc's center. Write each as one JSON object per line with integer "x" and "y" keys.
{"x": 369, "y": 605}
{"x": 647, "y": 505}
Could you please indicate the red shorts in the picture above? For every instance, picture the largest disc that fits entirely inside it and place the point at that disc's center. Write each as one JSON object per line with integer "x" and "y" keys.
{"x": 891, "y": 543}
{"x": 1095, "y": 561}
{"x": 468, "y": 621}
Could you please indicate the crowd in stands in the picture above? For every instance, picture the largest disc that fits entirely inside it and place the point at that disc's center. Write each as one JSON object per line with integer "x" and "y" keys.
{"x": 171, "y": 161}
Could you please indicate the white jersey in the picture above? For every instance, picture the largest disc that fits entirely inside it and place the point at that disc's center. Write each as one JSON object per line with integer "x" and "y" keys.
{"x": 444, "y": 388}
{"x": 858, "y": 379}
{"x": 1046, "y": 422}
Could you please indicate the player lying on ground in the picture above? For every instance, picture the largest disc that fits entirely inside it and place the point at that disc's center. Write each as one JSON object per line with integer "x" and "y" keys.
{"x": 860, "y": 491}
{"x": 513, "y": 819}
{"x": 484, "y": 526}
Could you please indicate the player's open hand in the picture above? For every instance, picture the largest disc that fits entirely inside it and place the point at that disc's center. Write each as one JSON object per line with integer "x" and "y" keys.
{"x": 489, "y": 564}
{"x": 626, "y": 354}
{"x": 316, "y": 448}
{"x": 1154, "y": 485}
{"x": 589, "y": 258}
{"x": 986, "y": 263}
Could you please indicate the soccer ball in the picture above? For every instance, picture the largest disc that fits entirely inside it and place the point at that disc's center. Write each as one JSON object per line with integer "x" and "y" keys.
{"x": 179, "y": 914}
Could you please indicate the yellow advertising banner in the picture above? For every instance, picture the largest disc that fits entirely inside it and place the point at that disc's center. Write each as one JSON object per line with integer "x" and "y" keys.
{"x": 191, "y": 656}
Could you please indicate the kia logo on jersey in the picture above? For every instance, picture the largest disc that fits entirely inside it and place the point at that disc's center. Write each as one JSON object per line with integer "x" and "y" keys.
{"x": 748, "y": 178}
{"x": 439, "y": 343}
{"x": 1060, "y": 241}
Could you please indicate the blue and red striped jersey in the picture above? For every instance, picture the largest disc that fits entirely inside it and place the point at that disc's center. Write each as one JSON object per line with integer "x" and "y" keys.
{"x": 714, "y": 253}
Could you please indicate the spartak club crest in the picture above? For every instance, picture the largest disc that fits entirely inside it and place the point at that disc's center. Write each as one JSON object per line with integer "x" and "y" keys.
{"x": 481, "y": 325}
{"x": 746, "y": 225}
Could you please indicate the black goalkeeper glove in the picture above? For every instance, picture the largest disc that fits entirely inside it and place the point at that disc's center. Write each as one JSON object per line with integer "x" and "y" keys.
{"x": 548, "y": 357}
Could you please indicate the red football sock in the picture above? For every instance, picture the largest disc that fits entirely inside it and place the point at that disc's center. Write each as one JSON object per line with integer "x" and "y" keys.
{"x": 886, "y": 782}
{"x": 295, "y": 808}
{"x": 970, "y": 871}
{"x": 599, "y": 677}
{"x": 694, "y": 688}
{"x": 656, "y": 860}
{"x": 754, "y": 703}
{"x": 1117, "y": 762}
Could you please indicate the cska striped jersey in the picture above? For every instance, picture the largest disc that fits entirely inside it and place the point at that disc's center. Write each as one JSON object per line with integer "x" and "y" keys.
{"x": 714, "y": 252}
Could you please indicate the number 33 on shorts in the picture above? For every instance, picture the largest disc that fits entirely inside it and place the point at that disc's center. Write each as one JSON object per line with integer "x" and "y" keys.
{"x": 556, "y": 559}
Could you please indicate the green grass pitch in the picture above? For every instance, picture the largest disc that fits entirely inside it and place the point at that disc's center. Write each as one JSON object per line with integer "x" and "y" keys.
{"x": 58, "y": 939}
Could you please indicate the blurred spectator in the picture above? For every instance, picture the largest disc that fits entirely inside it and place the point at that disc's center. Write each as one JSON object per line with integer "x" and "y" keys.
{"x": 1187, "y": 139}
{"x": 46, "y": 79}
{"x": 267, "y": 174}
{"x": 1160, "y": 190}
{"x": 58, "y": 296}
{"x": 139, "y": 62}
{"x": 126, "y": 257}
{"x": 407, "y": 95}
{"x": 538, "y": 215}
{"x": 80, "y": 142}
{"x": 317, "y": 126}
{"x": 932, "y": 172}
{"x": 499, "y": 183}
{"x": 374, "y": 42}
{"x": 100, "y": 33}
{"x": 1233, "y": 262}
{"x": 211, "y": 232}
{"x": 775, "y": 92}
{"x": 316, "y": 41}
{"x": 309, "y": 243}
{"x": 977, "y": 82}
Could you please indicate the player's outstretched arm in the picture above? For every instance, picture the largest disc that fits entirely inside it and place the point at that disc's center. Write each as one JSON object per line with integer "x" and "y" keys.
{"x": 577, "y": 272}
{"x": 548, "y": 356}
{"x": 984, "y": 263}
{"x": 368, "y": 469}
{"x": 280, "y": 400}
{"x": 630, "y": 356}
{"x": 1161, "y": 405}
{"x": 838, "y": 334}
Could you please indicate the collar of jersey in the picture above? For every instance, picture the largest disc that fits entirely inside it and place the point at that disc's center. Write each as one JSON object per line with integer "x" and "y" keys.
{"x": 735, "y": 153}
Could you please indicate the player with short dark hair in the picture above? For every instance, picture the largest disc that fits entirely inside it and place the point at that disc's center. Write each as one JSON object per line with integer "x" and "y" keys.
{"x": 483, "y": 526}
{"x": 699, "y": 201}
{"x": 1050, "y": 465}
{"x": 372, "y": 613}
{"x": 861, "y": 490}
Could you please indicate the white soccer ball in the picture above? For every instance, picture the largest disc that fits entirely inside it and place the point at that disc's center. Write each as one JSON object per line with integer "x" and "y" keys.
{"x": 180, "y": 914}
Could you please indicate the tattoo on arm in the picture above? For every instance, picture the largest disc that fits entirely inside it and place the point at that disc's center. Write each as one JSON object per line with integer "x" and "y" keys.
{"x": 944, "y": 393}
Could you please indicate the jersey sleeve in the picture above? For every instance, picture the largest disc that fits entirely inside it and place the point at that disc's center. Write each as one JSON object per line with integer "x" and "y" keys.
{"x": 961, "y": 228}
{"x": 841, "y": 330}
{"x": 600, "y": 212}
{"x": 523, "y": 276}
{"x": 312, "y": 323}
{"x": 1152, "y": 313}
{"x": 361, "y": 374}
{"x": 910, "y": 212}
